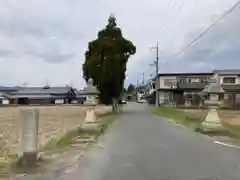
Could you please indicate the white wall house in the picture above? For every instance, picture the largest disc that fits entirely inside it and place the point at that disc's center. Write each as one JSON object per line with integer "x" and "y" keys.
{"x": 165, "y": 82}
{"x": 227, "y": 77}
{"x": 3, "y": 99}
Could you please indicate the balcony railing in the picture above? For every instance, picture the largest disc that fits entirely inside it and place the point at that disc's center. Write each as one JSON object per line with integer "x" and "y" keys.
{"x": 188, "y": 85}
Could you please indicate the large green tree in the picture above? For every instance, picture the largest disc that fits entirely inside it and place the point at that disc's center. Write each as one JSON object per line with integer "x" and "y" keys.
{"x": 106, "y": 61}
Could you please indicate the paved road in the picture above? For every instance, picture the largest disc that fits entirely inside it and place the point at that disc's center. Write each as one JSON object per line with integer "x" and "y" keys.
{"x": 143, "y": 146}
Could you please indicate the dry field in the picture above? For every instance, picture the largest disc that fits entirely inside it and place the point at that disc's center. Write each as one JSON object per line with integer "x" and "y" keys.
{"x": 54, "y": 122}
{"x": 227, "y": 116}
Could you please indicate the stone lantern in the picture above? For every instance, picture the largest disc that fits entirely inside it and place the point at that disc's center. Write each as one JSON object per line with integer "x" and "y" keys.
{"x": 213, "y": 90}
{"x": 91, "y": 93}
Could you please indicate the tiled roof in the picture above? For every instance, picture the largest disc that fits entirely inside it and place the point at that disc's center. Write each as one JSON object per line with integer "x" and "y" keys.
{"x": 34, "y": 96}
{"x": 186, "y": 74}
{"x": 227, "y": 72}
{"x": 6, "y": 88}
{"x": 43, "y": 90}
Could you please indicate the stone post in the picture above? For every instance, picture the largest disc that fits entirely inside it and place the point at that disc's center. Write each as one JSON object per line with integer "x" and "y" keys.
{"x": 29, "y": 119}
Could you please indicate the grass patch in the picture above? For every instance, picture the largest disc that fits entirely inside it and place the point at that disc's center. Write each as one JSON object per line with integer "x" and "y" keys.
{"x": 233, "y": 130}
{"x": 6, "y": 159}
{"x": 106, "y": 120}
{"x": 4, "y": 169}
{"x": 195, "y": 123}
{"x": 178, "y": 116}
{"x": 58, "y": 145}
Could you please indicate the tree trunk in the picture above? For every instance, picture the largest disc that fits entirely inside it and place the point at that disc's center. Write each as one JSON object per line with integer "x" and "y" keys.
{"x": 114, "y": 105}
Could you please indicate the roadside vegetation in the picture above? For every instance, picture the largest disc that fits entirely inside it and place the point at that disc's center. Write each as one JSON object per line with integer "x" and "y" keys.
{"x": 193, "y": 122}
{"x": 178, "y": 116}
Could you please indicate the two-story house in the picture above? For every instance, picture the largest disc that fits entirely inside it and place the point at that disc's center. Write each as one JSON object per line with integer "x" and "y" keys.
{"x": 227, "y": 77}
{"x": 229, "y": 81}
{"x": 176, "y": 86}
{"x": 173, "y": 86}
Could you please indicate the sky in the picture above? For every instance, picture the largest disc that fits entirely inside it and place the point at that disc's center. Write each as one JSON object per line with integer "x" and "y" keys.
{"x": 43, "y": 42}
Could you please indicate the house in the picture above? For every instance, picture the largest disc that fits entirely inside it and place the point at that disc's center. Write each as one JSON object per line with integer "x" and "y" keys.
{"x": 179, "y": 87}
{"x": 228, "y": 76}
{"x": 42, "y": 95}
{"x": 229, "y": 81}
{"x": 5, "y": 94}
{"x": 80, "y": 97}
{"x": 174, "y": 86}
{"x": 4, "y": 99}
{"x": 9, "y": 90}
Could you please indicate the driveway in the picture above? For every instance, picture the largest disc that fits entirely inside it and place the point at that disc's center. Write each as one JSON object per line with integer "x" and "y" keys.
{"x": 143, "y": 146}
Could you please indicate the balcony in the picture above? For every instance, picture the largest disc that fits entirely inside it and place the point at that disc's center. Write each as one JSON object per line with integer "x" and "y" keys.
{"x": 191, "y": 85}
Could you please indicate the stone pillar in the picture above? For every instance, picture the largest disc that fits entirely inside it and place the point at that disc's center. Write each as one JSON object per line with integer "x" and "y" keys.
{"x": 29, "y": 119}
{"x": 201, "y": 103}
{"x": 187, "y": 102}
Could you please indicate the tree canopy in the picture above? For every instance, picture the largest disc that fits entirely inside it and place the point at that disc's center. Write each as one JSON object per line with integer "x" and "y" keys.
{"x": 106, "y": 60}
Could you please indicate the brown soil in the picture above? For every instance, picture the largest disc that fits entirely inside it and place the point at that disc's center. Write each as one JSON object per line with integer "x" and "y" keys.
{"x": 54, "y": 122}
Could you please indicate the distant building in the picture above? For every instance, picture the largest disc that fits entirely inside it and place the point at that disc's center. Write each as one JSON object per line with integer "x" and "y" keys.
{"x": 174, "y": 87}
{"x": 9, "y": 90}
{"x": 37, "y": 95}
{"x": 80, "y": 97}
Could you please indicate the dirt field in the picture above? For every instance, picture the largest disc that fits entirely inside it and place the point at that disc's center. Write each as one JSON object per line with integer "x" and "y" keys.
{"x": 227, "y": 116}
{"x": 54, "y": 122}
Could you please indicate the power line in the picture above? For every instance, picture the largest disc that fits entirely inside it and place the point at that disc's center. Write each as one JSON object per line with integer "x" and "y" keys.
{"x": 208, "y": 28}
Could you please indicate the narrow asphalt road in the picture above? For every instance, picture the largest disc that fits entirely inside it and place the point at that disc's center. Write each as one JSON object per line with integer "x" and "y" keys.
{"x": 143, "y": 146}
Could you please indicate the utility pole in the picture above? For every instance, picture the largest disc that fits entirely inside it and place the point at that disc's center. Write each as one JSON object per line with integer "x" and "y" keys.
{"x": 157, "y": 68}
{"x": 143, "y": 78}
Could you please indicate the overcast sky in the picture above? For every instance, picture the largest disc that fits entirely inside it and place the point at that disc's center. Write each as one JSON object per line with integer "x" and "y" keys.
{"x": 45, "y": 40}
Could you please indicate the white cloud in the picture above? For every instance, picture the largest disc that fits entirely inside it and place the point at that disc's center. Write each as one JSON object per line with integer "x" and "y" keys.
{"x": 46, "y": 39}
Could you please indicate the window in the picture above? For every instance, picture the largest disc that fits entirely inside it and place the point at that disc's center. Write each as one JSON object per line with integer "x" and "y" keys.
{"x": 169, "y": 82}
{"x": 204, "y": 80}
{"x": 229, "y": 80}
{"x": 181, "y": 80}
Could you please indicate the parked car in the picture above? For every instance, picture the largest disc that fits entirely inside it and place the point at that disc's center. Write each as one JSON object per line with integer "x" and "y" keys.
{"x": 122, "y": 102}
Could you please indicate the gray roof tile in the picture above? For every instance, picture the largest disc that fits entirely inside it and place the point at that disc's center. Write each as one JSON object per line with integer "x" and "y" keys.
{"x": 227, "y": 72}
{"x": 43, "y": 90}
